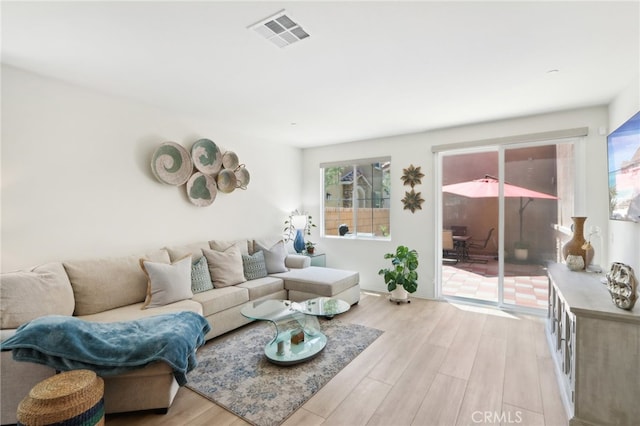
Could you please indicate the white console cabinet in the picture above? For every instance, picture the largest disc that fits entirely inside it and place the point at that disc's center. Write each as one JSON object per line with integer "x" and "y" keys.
{"x": 596, "y": 350}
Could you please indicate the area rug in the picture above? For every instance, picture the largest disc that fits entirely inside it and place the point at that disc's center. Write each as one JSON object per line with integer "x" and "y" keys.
{"x": 233, "y": 372}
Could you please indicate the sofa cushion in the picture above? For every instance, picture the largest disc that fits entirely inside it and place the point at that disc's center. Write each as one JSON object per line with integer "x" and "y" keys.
{"x": 29, "y": 294}
{"x": 262, "y": 287}
{"x": 135, "y": 311}
{"x": 321, "y": 281}
{"x": 274, "y": 257}
{"x": 107, "y": 283}
{"x": 167, "y": 283}
{"x": 254, "y": 265}
{"x": 193, "y": 249}
{"x": 200, "y": 276}
{"x": 225, "y": 266}
{"x": 223, "y": 245}
{"x": 219, "y": 299}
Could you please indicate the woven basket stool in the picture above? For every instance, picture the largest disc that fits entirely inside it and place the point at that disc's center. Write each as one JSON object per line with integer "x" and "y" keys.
{"x": 73, "y": 398}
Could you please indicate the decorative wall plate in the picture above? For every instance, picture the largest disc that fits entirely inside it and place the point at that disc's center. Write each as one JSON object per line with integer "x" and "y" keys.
{"x": 230, "y": 160}
{"x": 206, "y": 156}
{"x": 226, "y": 180}
{"x": 171, "y": 164}
{"x": 243, "y": 177}
{"x": 201, "y": 189}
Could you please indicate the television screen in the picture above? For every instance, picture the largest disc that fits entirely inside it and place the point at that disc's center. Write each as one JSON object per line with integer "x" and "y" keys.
{"x": 623, "y": 150}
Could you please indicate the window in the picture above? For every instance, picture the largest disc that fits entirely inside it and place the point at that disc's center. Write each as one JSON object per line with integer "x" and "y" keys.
{"x": 356, "y": 198}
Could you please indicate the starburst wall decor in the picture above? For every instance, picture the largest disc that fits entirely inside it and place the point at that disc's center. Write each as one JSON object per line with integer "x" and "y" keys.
{"x": 412, "y": 201}
{"x": 412, "y": 176}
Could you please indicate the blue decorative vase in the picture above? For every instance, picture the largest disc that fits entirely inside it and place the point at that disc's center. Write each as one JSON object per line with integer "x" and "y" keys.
{"x": 298, "y": 242}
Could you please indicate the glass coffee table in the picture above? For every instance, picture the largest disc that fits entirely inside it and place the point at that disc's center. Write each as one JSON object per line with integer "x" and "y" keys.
{"x": 298, "y": 336}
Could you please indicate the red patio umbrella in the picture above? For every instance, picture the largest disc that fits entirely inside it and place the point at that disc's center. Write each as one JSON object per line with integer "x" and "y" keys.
{"x": 488, "y": 187}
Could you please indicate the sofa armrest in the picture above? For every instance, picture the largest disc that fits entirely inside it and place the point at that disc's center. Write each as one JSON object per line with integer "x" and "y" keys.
{"x": 297, "y": 261}
{"x": 17, "y": 380}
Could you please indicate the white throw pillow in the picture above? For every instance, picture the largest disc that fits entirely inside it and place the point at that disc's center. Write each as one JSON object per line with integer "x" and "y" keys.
{"x": 274, "y": 257}
{"x": 167, "y": 283}
{"x": 225, "y": 266}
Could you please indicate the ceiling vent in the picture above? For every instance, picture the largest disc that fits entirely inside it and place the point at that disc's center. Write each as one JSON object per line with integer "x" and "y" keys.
{"x": 280, "y": 29}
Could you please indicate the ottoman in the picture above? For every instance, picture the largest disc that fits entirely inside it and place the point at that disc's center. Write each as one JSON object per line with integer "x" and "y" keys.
{"x": 307, "y": 283}
{"x": 72, "y": 398}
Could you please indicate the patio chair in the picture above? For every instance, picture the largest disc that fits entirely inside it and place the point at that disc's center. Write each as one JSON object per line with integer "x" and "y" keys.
{"x": 481, "y": 245}
{"x": 448, "y": 247}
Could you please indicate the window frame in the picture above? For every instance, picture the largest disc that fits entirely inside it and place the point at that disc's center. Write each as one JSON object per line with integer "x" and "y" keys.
{"x": 355, "y": 201}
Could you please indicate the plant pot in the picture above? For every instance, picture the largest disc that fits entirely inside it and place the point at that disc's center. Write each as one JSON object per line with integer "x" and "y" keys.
{"x": 521, "y": 253}
{"x": 399, "y": 293}
{"x": 310, "y": 250}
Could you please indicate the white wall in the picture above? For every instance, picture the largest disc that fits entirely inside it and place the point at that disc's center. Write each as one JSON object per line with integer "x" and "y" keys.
{"x": 418, "y": 230}
{"x": 76, "y": 180}
{"x": 77, "y": 183}
{"x": 624, "y": 237}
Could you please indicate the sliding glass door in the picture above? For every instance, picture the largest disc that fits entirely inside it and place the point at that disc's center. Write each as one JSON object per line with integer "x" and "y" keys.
{"x": 502, "y": 207}
{"x": 470, "y": 269}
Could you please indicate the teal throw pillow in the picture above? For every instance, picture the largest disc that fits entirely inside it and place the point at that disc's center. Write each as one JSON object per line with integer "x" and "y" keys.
{"x": 254, "y": 266}
{"x": 200, "y": 277}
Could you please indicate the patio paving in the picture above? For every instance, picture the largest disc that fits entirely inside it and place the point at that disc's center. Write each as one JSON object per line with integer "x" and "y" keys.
{"x": 524, "y": 284}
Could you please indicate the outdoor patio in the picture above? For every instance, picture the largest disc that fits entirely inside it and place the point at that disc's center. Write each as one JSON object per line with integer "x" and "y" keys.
{"x": 524, "y": 284}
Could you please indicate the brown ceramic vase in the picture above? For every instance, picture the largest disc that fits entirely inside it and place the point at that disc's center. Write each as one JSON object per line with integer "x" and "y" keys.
{"x": 575, "y": 244}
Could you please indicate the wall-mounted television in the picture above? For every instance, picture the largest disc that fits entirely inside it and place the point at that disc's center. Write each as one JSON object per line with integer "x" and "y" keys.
{"x": 623, "y": 152}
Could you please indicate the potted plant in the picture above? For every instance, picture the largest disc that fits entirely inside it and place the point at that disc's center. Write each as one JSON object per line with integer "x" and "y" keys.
{"x": 521, "y": 250}
{"x": 310, "y": 247}
{"x": 402, "y": 277}
{"x": 296, "y": 227}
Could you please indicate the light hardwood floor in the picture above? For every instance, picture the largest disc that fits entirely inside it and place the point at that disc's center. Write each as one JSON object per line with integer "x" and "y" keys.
{"x": 437, "y": 363}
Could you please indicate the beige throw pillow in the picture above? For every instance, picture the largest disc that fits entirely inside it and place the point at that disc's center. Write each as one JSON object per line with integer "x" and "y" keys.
{"x": 274, "y": 257}
{"x": 29, "y": 294}
{"x": 223, "y": 245}
{"x": 167, "y": 283}
{"x": 225, "y": 266}
{"x": 107, "y": 283}
{"x": 194, "y": 249}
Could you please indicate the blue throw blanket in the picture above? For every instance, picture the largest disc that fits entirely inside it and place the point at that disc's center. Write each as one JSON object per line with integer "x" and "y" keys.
{"x": 68, "y": 343}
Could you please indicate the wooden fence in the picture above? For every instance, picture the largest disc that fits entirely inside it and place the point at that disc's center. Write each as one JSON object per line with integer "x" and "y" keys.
{"x": 373, "y": 221}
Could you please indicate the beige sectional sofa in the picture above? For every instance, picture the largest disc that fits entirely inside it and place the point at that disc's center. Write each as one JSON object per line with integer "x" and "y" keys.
{"x": 117, "y": 289}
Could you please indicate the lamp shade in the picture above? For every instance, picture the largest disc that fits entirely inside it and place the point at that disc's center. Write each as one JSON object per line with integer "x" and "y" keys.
{"x": 299, "y": 221}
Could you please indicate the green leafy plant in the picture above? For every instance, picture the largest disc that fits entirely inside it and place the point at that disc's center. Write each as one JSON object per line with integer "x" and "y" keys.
{"x": 310, "y": 247}
{"x": 403, "y": 272}
{"x": 290, "y": 230}
{"x": 521, "y": 245}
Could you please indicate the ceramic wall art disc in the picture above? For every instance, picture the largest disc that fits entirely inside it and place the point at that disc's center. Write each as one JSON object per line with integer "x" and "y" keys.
{"x": 226, "y": 180}
{"x": 230, "y": 160}
{"x": 243, "y": 177}
{"x": 206, "y": 156}
{"x": 171, "y": 164}
{"x": 201, "y": 189}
